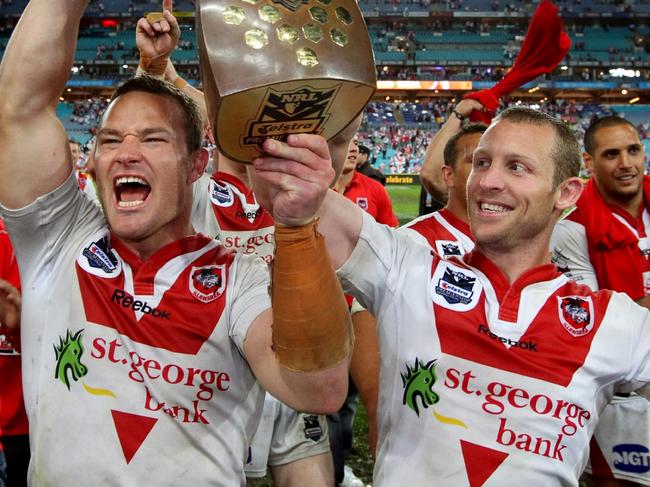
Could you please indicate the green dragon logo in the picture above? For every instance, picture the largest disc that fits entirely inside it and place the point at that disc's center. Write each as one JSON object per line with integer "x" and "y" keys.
{"x": 68, "y": 358}
{"x": 418, "y": 384}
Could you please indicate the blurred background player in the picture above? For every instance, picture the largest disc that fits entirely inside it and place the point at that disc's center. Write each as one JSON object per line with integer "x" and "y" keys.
{"x": 365, "y": 168}
{"x": 373, "y": 198}
{"x": 605, "y": 244}
{"x": 14, "y": 428}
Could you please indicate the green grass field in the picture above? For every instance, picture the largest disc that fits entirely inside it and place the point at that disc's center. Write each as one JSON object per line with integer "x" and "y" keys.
{"x": 406, "y": 201}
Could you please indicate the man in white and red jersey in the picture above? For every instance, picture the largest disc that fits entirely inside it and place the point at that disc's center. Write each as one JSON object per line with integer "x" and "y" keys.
{"x": 147, "y": 346}
{"x": 605, "y": 243}
{"x": 294, "y": 445}
{"x": 495, "y": 367}
{"x": 14, "y": 428}
{"x": 447, "y": 231}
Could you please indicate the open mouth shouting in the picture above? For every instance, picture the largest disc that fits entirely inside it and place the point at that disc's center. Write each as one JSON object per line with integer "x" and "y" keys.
{"x": 131, "y": 191}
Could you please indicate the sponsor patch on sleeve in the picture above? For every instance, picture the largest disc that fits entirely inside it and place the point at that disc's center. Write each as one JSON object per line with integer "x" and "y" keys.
{"x": 98, "y": 258}
{"x": 454, "y": 287}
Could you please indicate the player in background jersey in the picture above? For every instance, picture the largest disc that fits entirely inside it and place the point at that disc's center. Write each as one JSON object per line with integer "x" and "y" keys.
{"x": 146, "y": 345}
{"x": 605, "y": 243}
{"x": 447, "y": 230}
{"x": 365, "y": 192}
{"x": 365, "y": 168}
{"x": 371, "y": 196}
{"x": 431, "y": 171}
{"x": 495, "y": 367}
{"x": 14, "y": 428}
{"x": 294, "y": 445}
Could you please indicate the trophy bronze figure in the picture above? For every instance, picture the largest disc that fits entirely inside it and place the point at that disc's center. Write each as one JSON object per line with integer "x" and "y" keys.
{"x": 271, "y": 68}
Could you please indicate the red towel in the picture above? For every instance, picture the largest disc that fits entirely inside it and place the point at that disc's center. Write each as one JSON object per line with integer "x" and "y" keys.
{"x": 613, "y": 249}
{"x": 544, "y": 47}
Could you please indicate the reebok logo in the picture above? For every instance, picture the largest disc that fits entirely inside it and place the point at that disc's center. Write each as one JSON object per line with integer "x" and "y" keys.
{"x": 125, "y": 300}
{"x": 249, "y": 215}
{"x": 529, "y": 345}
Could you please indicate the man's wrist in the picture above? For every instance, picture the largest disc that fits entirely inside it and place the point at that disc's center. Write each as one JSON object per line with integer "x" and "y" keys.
{"x": 153, "y": 66}
{"x": 458, "y": 115}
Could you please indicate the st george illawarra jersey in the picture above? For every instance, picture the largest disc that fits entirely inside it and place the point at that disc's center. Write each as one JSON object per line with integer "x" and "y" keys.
{"x": 231, "y": 213}
{"x": 484, "y": 382}
{"x": 443, "y": 231}
{"x": 134, "y": 371}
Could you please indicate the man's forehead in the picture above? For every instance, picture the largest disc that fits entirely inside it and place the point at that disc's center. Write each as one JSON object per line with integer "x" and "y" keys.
{"x": 513, "y": 133}
{"x": 616, "y": 136}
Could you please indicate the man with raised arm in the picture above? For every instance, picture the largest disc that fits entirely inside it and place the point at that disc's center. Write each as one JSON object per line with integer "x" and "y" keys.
{"x": 431, "y": 173}
{"x": 495, "y": 367}
{"x": 146, "y": 345}
{"x": 447, "y": 230}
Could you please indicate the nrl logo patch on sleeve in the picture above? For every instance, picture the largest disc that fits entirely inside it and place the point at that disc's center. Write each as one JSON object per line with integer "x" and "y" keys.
{"x": 576, "y": 314}
{"x": 221, "y": 195}
{"x": 454, "y": 287}
{"x": 98, "y": 258}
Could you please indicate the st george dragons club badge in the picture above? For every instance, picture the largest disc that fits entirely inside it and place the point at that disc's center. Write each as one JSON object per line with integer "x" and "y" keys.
{"x": 207, "y": 283}
{"x": 576, "y": 314}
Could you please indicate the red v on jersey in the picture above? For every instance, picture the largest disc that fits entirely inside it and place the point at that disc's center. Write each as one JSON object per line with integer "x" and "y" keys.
{"x": 540, "y": 349}
{"x": 171, "y": 301}
{"x": 480, "y": 462}
{"x": 132, "y": 430}
{"x": 235, "y": 206}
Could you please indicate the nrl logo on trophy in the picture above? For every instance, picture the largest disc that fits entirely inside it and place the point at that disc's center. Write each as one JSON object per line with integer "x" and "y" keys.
{"x": 304, "y": 110}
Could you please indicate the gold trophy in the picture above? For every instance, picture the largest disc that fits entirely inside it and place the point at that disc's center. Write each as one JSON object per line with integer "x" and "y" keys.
{"x": 271, "y": 68}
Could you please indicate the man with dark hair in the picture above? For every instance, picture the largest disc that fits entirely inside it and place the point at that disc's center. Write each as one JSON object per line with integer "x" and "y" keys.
{"x": 447, "y": 231}
{"x": 365, "y": 168}
{"x": 496, "y": 359}
{"x": 147, "y": 346}
{"x": 604, "y": 243}
{"x": 430, "y": 173}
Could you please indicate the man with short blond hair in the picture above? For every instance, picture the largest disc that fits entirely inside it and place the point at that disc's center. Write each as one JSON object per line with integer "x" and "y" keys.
{"x": 496, "y": 359}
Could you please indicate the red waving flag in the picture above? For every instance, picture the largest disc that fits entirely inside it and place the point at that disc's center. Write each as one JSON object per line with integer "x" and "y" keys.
{"x": 544, "y": 47}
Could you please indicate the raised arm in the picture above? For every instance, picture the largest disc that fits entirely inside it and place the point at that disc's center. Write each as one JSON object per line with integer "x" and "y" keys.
{"x": 157, "y": 36}
{"x": 34, "y": 149}
{"x": 431, "y": 172}
{"x": 310, "y": 333}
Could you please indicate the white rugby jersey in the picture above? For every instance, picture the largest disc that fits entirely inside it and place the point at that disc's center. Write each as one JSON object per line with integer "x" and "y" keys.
{"x": 232, "y": 214}
{"x": 483, "y": 382}
{"x": 134, "y": 371}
